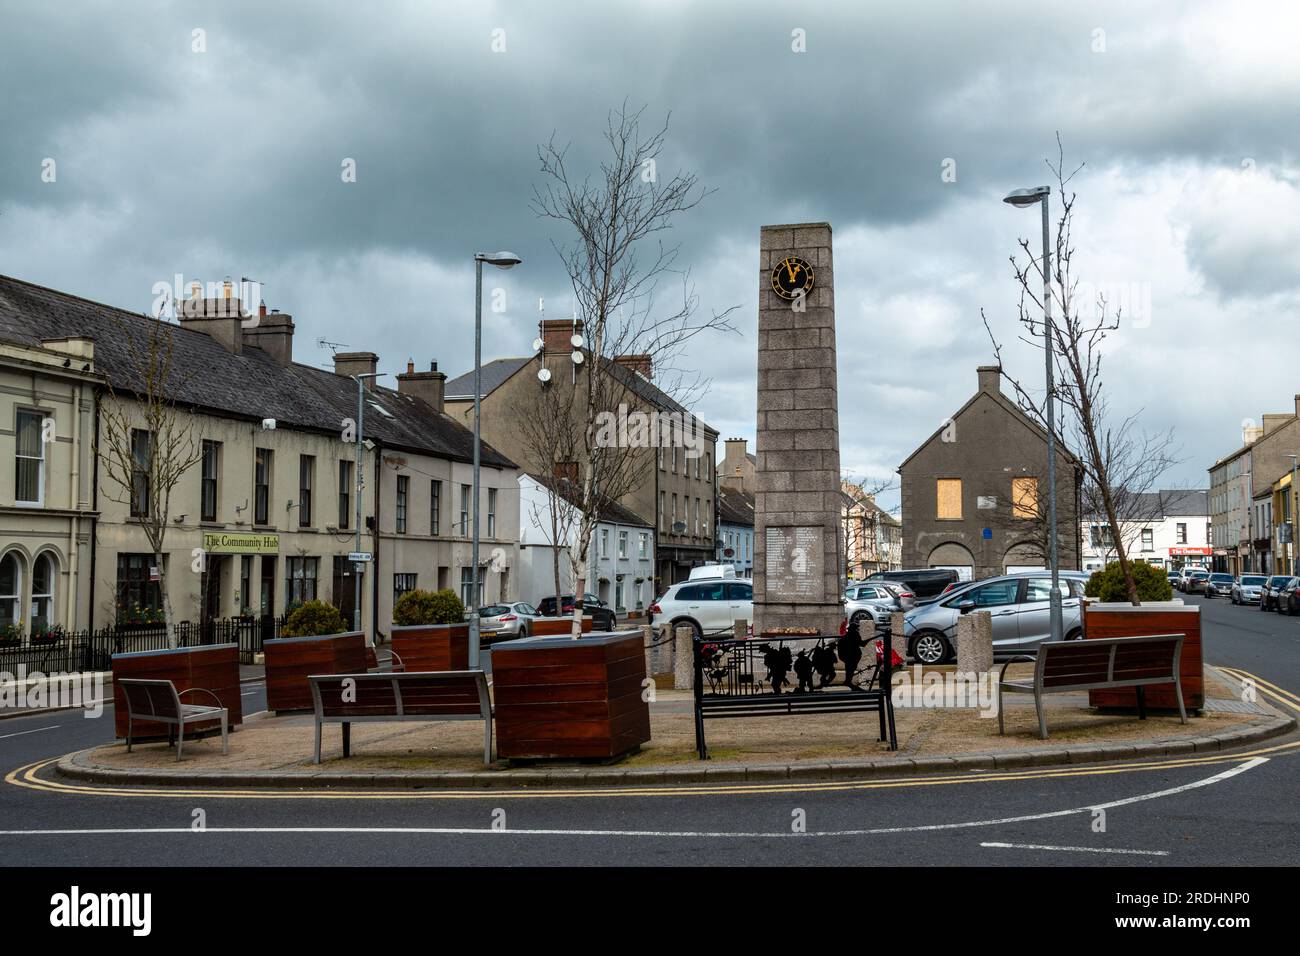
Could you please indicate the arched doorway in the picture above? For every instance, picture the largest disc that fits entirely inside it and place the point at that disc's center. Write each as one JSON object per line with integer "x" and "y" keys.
{"x": 1023, "y": 557}
{"x": 952, "y": 555}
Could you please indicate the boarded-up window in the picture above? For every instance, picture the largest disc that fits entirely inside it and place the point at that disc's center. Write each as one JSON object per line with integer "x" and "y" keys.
{"x": 1024, "y": 497}
{"x": 949, "y": 498}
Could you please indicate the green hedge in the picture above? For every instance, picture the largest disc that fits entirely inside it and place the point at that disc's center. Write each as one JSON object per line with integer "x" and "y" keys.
{"x": 428, "y": 607}
{"x": 313, "y": 619}
{"x": 1108, "y": 583}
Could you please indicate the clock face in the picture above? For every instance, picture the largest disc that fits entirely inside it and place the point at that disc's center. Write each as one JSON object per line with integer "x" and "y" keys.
{"x": 791, "y": 277}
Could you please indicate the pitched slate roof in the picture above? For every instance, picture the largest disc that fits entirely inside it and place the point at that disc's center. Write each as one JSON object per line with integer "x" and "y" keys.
{"x": 250, "y": 385}
{"x": 735, "y": 507}
{"x": 494, "y": 375}
{"x": 1192, "y": 503}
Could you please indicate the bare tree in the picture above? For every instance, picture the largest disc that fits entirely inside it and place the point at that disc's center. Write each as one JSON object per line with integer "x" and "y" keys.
{"x": 1117, "y": 457}
{"x": 546, "y": 426}
{"x": 146, "y": 444}
{"x": 1027, "y": 518}
{"x": 859, "y": 530}
{"x": 616, "y": 261}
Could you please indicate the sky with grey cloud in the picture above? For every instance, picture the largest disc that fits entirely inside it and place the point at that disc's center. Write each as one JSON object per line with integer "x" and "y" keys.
{"x": 227, "y": 162}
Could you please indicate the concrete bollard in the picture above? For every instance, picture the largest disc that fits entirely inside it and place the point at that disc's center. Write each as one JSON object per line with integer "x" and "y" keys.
{"x": 684, "y": 657}
{"x": 975, "y": 642}
{"x": 896, "y": 638}
{"x": 647, "y": 642}
{"x": 739, "y": 629}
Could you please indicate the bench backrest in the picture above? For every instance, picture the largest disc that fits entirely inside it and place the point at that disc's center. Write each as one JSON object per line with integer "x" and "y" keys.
{"x": 151, "y": 698}
{"x": 1109, "y": 659}
{"x": 416, "y": 694}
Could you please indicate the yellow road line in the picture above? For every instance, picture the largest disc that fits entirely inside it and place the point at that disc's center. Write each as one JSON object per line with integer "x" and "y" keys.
{"x": 1278, "y": 693}
{"x": 27, "y": 777}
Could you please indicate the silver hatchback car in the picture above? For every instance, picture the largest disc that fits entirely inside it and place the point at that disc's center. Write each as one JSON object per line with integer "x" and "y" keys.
{"x": 1019, "y": 604}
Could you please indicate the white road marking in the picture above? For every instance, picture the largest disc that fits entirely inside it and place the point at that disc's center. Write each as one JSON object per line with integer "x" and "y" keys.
{"x": 36, "y": 731}
{"x": 1074, "y": 849}
{"x": 696, "y": 834}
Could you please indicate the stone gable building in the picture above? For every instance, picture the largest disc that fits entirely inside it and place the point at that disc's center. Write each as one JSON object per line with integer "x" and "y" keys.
{"x": 973, "y": 493}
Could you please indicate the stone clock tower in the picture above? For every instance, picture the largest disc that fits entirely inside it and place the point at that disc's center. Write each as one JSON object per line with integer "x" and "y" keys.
{"x": 798, "y": 552}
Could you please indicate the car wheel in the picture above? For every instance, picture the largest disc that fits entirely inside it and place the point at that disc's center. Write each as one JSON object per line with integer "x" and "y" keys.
{"x": 856, "y": 620}
{"x": 696, "y": 631}
{"x": 929, "y": 647}
{"x": 1075, "y": 635}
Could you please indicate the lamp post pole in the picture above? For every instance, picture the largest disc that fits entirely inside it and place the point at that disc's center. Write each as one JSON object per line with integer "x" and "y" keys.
{"x": 1295, "y": 524}
{"x": 502, "y": 260}
{"x": 358, "y": 568}
{"x": 1028, "y": 197}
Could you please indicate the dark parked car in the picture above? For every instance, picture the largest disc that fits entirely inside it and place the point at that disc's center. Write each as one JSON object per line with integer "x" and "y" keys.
{"x": 1288, "y": 598}
{"x": 1219, "y": 585}
{"x": 1268, "y": 594}
{"x": 602, "y": 618}
{"x": 923, "y": 582}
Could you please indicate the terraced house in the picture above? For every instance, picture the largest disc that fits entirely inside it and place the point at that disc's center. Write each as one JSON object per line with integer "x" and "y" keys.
{"x": 267, "y": 509}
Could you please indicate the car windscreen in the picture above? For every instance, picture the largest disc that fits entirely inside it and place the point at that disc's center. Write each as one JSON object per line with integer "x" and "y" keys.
{"x": 1253, "y": 580}
{"x": 1221, "y": 578}
{"x": 495, "y": 610}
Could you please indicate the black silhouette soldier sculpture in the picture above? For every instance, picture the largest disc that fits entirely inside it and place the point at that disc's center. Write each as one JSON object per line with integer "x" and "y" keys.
{"x": 803, "y": 669}
{"x": 778, "y": 662}
{"x": 850, "y": 649}
{"x": 823, "y": 660}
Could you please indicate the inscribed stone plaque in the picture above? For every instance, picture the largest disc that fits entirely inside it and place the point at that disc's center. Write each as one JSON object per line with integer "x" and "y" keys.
{"x": 794, "y": 559}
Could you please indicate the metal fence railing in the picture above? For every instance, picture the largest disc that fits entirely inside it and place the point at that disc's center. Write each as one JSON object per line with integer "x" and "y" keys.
{"x": 77, "y": 651}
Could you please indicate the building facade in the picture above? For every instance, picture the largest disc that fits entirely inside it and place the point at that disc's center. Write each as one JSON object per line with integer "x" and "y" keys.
{"x": 873, "y": 538}
{"x": 267, "y": 513}
{"x": 47, "y": 417}
{"x": 736, "y": 528}
{"x": 620, "y": 557}
{"x": 1173, "y": 532}
{"x": 974, "y": 493}
{"x": 675, "y": 483}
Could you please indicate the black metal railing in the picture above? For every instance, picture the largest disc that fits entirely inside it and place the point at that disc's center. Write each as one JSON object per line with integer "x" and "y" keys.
{"x": 77, "y": 651}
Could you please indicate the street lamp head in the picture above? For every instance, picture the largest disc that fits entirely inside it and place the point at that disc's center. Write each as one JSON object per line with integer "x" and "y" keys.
{"x": 502, "y": 260}
{"x": 1027, "y": 197}
{"x": 362, "y": 375}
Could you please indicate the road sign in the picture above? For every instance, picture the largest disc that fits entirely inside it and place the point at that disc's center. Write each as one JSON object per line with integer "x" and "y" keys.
{"x": 360, "y": 556}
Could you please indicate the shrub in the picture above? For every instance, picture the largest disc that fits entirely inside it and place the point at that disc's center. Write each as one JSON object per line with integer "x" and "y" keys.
{"x": 312, "y": 619}
{"x": 1108, "y": 583}
{"x": 428, "y": 607}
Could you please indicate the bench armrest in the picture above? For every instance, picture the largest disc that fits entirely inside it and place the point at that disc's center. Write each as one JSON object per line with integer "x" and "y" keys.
{"x": 1019, "y": 658}
{"x": 203, "y": 690}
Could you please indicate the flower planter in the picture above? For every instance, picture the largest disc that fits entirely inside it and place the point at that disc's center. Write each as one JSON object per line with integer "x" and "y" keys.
{"x": 560, "y": 698}
{"x": 1156, "y": 617}
{"x": 291, "y": 660}
{"x": 432, "y": 647}
{"x": 556, "y": 627}
{"x": 213, "y": 667}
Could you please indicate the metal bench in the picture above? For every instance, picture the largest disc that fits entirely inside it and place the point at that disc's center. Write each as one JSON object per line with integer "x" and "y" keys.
{"x": 759, "y": 677}
{"x": 1100, "y": 664}
{"x": 157, "y": 701}
{"x": 397, "y": 696}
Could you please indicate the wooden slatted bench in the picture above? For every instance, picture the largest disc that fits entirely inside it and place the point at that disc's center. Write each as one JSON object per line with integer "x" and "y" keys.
{"x": 1098, "y": 664}
{"x": 398, "y": 696}
{"x": 157, "y": 701}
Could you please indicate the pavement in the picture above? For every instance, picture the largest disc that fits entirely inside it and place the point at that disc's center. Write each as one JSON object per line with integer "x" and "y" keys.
{"x": 1220, "y": 806}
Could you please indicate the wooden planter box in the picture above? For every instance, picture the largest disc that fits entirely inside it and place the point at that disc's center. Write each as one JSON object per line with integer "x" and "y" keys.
{"x": 556, "y": 627}
{"x": 432, "y": 647}
{"x": 1124, "y": 620}
{"x": 291, "y": 660}
{"x": 561, "y": 698}
{"x": 213, "y": 667}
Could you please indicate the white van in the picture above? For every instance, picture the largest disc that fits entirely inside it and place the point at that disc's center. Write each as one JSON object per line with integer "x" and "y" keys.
{"x": 713, "y": 571}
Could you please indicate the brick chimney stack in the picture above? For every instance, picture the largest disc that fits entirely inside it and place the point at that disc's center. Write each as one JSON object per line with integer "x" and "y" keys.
{"x": 348, "y": 364}
{"x": 272, "y": 333}
{"x": 638, "y": 363}
{"x": 990, "y": 378}
{"x": 557, "y": 333}
{"x": 426, "y": 386}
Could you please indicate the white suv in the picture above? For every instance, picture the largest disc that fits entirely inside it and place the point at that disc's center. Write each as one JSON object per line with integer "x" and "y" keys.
{"x": 709, "y": 605}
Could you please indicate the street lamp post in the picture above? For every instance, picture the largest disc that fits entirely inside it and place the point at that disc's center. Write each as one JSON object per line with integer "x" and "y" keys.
{"x": 502, "y": 260}
{"x": 1028, "y": 197}
{"x": 358, "y": 569}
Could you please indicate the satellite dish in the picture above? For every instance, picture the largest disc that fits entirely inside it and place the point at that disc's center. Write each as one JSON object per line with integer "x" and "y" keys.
{"x": 577, "y": 358}
{"x": 543, "y": 375}
{"x": 537, "y": 345}
{"x": 576, "y": 341}
{"x": 679, "y": 527}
